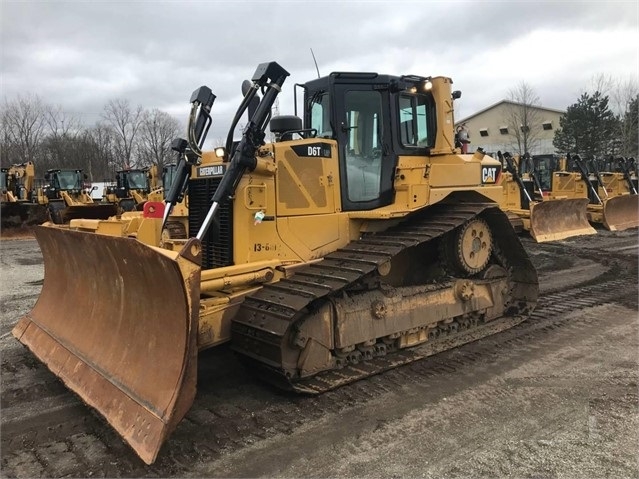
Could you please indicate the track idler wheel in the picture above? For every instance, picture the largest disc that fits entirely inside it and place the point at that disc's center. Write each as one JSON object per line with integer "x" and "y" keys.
{"x": 468, "y": 248}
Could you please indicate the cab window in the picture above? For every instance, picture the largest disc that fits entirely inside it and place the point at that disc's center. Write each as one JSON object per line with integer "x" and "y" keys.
{"x": 320, "y": 115}
{"x": 414, "y": 111}
{"x": 362, "y": 150}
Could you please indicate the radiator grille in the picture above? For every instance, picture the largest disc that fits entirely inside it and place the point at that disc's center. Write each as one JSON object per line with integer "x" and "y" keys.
{"x": 217, "y": 245}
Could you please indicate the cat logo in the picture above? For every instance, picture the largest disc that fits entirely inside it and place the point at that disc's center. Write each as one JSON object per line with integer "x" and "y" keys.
{"x": 489, "y": 174}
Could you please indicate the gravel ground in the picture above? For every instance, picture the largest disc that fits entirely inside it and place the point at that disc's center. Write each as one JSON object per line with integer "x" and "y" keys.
{"x": 555, "y": 396}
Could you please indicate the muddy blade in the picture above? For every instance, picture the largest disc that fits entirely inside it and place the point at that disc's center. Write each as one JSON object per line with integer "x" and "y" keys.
{"x": 621, "y": 212}
{"x": 116, "y": 321}
{"x": 555, "y": 220}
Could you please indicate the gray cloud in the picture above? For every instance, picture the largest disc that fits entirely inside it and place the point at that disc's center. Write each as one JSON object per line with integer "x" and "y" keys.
{"x": 81, "y": 54}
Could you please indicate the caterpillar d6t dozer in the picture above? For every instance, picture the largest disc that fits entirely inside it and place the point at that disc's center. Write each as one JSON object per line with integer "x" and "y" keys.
{"x": 358, "y": 240}
{"x": 544, "y": 218}
{"x": 615, "y": 212}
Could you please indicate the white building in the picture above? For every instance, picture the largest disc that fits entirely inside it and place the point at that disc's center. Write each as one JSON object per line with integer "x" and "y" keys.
{"x": 493, "y": 128}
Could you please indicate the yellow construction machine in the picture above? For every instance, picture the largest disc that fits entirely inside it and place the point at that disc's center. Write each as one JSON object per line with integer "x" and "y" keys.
{"x": 618, "y": 176}
{"x": 66, "y": 197}
{"x": 359, "y": 240}
{"x": 546, "y": 219}
{"x": 132, "y": 188}
{"x": 16, "y": 196}
{"x": 615, "y": 212}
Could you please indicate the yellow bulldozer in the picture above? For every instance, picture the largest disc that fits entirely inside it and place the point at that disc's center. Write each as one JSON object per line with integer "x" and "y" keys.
{"x": 66, "y": 197}
{"x": 17, "y": 197}
{"x": 359, "y": 240}
{"x": 616, "y": 210}
{"x": 618, "y": 176}
{"x": 545, "y": 218}
{"x": 132, "y": 188}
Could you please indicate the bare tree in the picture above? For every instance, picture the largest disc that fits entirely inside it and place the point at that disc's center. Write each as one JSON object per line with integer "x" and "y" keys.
{"x": 100, "y": 141}
{"x": 125, "y": 122}
{"x": 23, "y": 125}
{"x": 157, "y": 131}
{"x": 60, "y": 148}
{"x": 623, "y": 97}
{"x": 621, "y": 93}
{"x": 523, "y": 118}
{"x": 602, "y": 83}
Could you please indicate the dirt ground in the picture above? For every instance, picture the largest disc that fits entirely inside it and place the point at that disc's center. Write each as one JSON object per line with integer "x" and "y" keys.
{"x": 555, "y": 396}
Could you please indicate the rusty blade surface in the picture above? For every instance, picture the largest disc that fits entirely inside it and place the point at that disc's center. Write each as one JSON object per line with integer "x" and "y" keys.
{"x": 555, "y": 220}
{"x": 621, "y": 212}
{"x": 116, "y": 320}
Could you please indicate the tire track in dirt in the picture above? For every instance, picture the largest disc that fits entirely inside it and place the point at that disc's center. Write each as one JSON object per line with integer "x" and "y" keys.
{"x": 233, "y": 411}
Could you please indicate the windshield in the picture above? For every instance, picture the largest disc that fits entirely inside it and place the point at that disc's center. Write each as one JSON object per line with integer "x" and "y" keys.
{"x": 167, "y": 177}
{"x": 137, "y": 180}
{"x": 320, "y": 115}
{"x": 69, "y": 180}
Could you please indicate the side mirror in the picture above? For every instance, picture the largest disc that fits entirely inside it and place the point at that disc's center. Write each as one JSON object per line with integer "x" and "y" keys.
{"x": 456, "y": 94}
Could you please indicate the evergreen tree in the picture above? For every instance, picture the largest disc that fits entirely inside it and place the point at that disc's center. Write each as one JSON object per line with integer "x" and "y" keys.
{"x": 630, "y": 129}
{"x": 589, "y": 127}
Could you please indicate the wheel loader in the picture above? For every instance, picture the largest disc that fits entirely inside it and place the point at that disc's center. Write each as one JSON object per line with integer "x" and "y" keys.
{"x": 16, "y": 196}
{"x": 359, "y": 240}
{"x": 66, "y": 197}
{"x": 545, "y": 218}
{"x": 132, "y": 188}
{"x": 571, "y": 178}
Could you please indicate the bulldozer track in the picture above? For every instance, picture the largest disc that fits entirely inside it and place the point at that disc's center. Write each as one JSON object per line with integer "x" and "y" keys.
{"x": 66, "y": 438}
{"x": 266, "y": 317}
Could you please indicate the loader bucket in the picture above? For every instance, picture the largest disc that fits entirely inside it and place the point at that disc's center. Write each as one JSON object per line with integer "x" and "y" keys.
{"x": 21, "y": 214}
{"x": 554, "y": 220}
{"x": 116, "y": 320}
{"x": 621, "y": 212}
{"x": 95, "y": 211}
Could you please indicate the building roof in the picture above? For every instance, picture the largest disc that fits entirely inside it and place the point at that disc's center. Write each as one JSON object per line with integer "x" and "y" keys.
{"x": 561, "y": 112}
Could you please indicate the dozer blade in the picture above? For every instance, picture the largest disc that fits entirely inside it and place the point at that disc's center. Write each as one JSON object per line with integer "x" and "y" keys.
{"x": 555, "y": 220}
{"x": 621, "y": 212}
{"x": 116, "y": 320}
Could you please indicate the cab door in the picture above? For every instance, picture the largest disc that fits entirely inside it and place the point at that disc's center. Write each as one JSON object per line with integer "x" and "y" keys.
{"x": 363, "y": 135}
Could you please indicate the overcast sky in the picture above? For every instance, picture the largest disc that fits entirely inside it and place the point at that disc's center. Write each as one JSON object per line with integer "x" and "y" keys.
{"x": 79, "y": 55}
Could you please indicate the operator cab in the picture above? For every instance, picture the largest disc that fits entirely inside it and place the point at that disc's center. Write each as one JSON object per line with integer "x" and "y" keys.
{"x": 168, "y": 175}
{"x": 545, "y": 166}
{"x": 63, "y": 180}
{"x": 127, "y": 180}
{"x": 375, "y": 119}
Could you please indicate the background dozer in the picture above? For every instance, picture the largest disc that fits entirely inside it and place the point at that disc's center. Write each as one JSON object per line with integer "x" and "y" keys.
{"x": 617, "y": 174}
{"x": 358, "y": 241}
{"x": 16, "y": 197}
{"x": 66, "y": 198}
{"x": 546, "y": 219}
{"x": 614, "y": 212}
